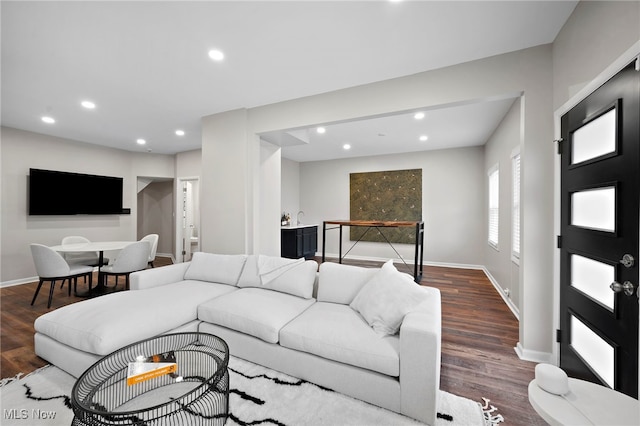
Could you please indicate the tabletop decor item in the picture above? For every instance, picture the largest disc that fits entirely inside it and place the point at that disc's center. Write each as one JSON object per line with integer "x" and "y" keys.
{"x": 285, "y": 220}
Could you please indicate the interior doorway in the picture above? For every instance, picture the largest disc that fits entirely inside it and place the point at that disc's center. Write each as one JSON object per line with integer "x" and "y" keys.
{"x": 188, "y": 218}
{"x": 155, "y": 207}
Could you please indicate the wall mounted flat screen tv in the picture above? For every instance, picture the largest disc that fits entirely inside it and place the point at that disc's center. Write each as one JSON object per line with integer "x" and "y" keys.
{"x": 62, "y": 193}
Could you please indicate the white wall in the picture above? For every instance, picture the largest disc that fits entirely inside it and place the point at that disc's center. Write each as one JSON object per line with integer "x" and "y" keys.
{"x": 498, "y": 150}
{"x": 22, "y": 150}
{"x": 452, "y": 203}
{"x": 594, "y": 36}
{"x": 290, "y": 189}
{"x": 229, "y": 183}
{"x": 269, "y": 181}
{"x": 189, "y": 164}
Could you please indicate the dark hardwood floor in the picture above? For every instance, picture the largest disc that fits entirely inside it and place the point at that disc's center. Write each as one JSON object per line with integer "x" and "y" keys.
{"x": 479, "y": 333}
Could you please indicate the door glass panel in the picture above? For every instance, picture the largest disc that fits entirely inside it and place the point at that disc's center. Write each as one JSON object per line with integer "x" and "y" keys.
{"x": 593, "y": 279}
{"x": 597, "y": 353}
{"x": 594, "y": 209}
{"x": 594, "y": 139}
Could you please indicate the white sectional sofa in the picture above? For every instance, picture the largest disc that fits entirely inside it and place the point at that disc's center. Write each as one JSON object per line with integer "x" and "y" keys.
{"x": 370, "y": 333}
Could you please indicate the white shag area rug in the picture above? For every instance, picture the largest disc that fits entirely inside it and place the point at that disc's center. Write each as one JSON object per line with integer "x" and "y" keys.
{"x": 258, "y": 396}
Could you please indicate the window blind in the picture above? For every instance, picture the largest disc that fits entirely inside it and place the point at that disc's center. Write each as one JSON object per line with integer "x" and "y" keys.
{"x": 515, "y": 221}
{"x": 494, "y": 211}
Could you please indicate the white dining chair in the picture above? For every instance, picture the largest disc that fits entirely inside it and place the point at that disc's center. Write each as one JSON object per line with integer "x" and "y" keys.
{"x": 153, "y": 241}
{"x": 51, "y": 266}
{"x": 82, "y": 258}
{"x": 132, "y": 258}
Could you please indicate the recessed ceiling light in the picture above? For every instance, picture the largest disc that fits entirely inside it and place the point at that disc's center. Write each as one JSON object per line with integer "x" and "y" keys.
{"x": 346, "y": 146}
{"x": 423, "y": 138}
{"x": 48, "y": 120}
{"x": 141, "y": 141}
{"x": 419, "y": 115}
{"x": 88, "y": 104}
{"x": 180, "y": 132}
{"x": 216, "y": 55}
{"x": 321, "y": 130}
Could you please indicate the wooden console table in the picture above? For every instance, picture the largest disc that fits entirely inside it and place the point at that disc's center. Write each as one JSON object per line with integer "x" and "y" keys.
{"x": 377, "y": 224}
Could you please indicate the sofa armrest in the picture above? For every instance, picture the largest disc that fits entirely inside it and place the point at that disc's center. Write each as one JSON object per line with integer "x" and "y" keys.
{"x": 155, "y": 277}
{"x": 420, "y": 351}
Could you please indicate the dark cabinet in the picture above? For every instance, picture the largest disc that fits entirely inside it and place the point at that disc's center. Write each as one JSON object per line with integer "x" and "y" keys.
{"x": 299, "y": 242}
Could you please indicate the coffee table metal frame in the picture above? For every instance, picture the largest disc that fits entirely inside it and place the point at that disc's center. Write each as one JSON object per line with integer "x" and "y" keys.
{"x": 196, "y": 394}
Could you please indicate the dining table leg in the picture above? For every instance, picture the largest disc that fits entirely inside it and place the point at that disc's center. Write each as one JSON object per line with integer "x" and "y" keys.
{"x": 100, "y": 287}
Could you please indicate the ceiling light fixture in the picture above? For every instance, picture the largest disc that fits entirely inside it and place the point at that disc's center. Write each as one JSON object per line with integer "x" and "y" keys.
{"x": 88, "y": 104}
{"x": 141, "y": 142}
{"x": 180, "y": 132}
{"x": 216, "y": 55}
{"x": 48, "y": 120}
{"x": 419, "y": 115}
{"x": 346, "y": 146}
{"x": 423, "y": 138}
{"x": 321, "y": 130}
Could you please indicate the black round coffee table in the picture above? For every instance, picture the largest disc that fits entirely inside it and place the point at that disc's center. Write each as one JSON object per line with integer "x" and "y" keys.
{"x": 174, "y": 379}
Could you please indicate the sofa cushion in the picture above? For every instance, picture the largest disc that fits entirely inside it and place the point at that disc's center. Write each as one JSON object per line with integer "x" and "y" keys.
{"x": 297, "y": 276}
{"x": 216, "y": 268}
{"x": 386, "y": 298}
{"x": 337, "y": 332}
{"x": 258, "y": 312}
{"x": 339, "y": 283}
{"x": 104, "y": 324}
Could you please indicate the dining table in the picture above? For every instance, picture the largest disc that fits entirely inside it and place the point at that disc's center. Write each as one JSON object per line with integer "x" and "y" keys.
{"x": 91, "y": 247}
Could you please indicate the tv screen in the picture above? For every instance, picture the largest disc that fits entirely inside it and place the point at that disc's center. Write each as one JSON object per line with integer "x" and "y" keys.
{"x": 62, "y": 193}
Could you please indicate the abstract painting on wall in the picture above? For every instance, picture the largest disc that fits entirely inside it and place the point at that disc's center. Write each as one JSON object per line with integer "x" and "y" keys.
{"x": 386, "y": 196}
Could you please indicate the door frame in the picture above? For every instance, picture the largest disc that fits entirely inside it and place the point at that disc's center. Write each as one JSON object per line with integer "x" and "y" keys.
{"x": 178, "y": 208}
{"x": 614, "y": 68}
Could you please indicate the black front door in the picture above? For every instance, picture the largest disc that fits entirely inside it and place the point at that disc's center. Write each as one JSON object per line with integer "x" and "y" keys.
{"x": 600, "y": 230}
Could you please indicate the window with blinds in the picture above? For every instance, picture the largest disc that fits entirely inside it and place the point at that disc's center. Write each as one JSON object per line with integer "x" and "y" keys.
{"x": 515, "y": 220}
{"x": 494, "y": 210}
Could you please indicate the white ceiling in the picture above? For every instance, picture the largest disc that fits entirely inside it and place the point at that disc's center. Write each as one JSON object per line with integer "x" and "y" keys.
{"x": 451, "y": 126}
{"x": 145, "y": 65}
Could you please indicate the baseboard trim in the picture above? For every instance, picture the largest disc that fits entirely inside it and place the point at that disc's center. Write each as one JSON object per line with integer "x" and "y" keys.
{"x": 533, "y": 356}
{"x": 20, "y": 281}
{"x": 514, "y": 309}
{"x": 169, "y": 255}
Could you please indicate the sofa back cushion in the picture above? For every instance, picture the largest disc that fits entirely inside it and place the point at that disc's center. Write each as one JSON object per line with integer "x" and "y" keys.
{"x": 339, "y": 283}
{"x": 291, "y": 276}
{"x": 216, "y": 268}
